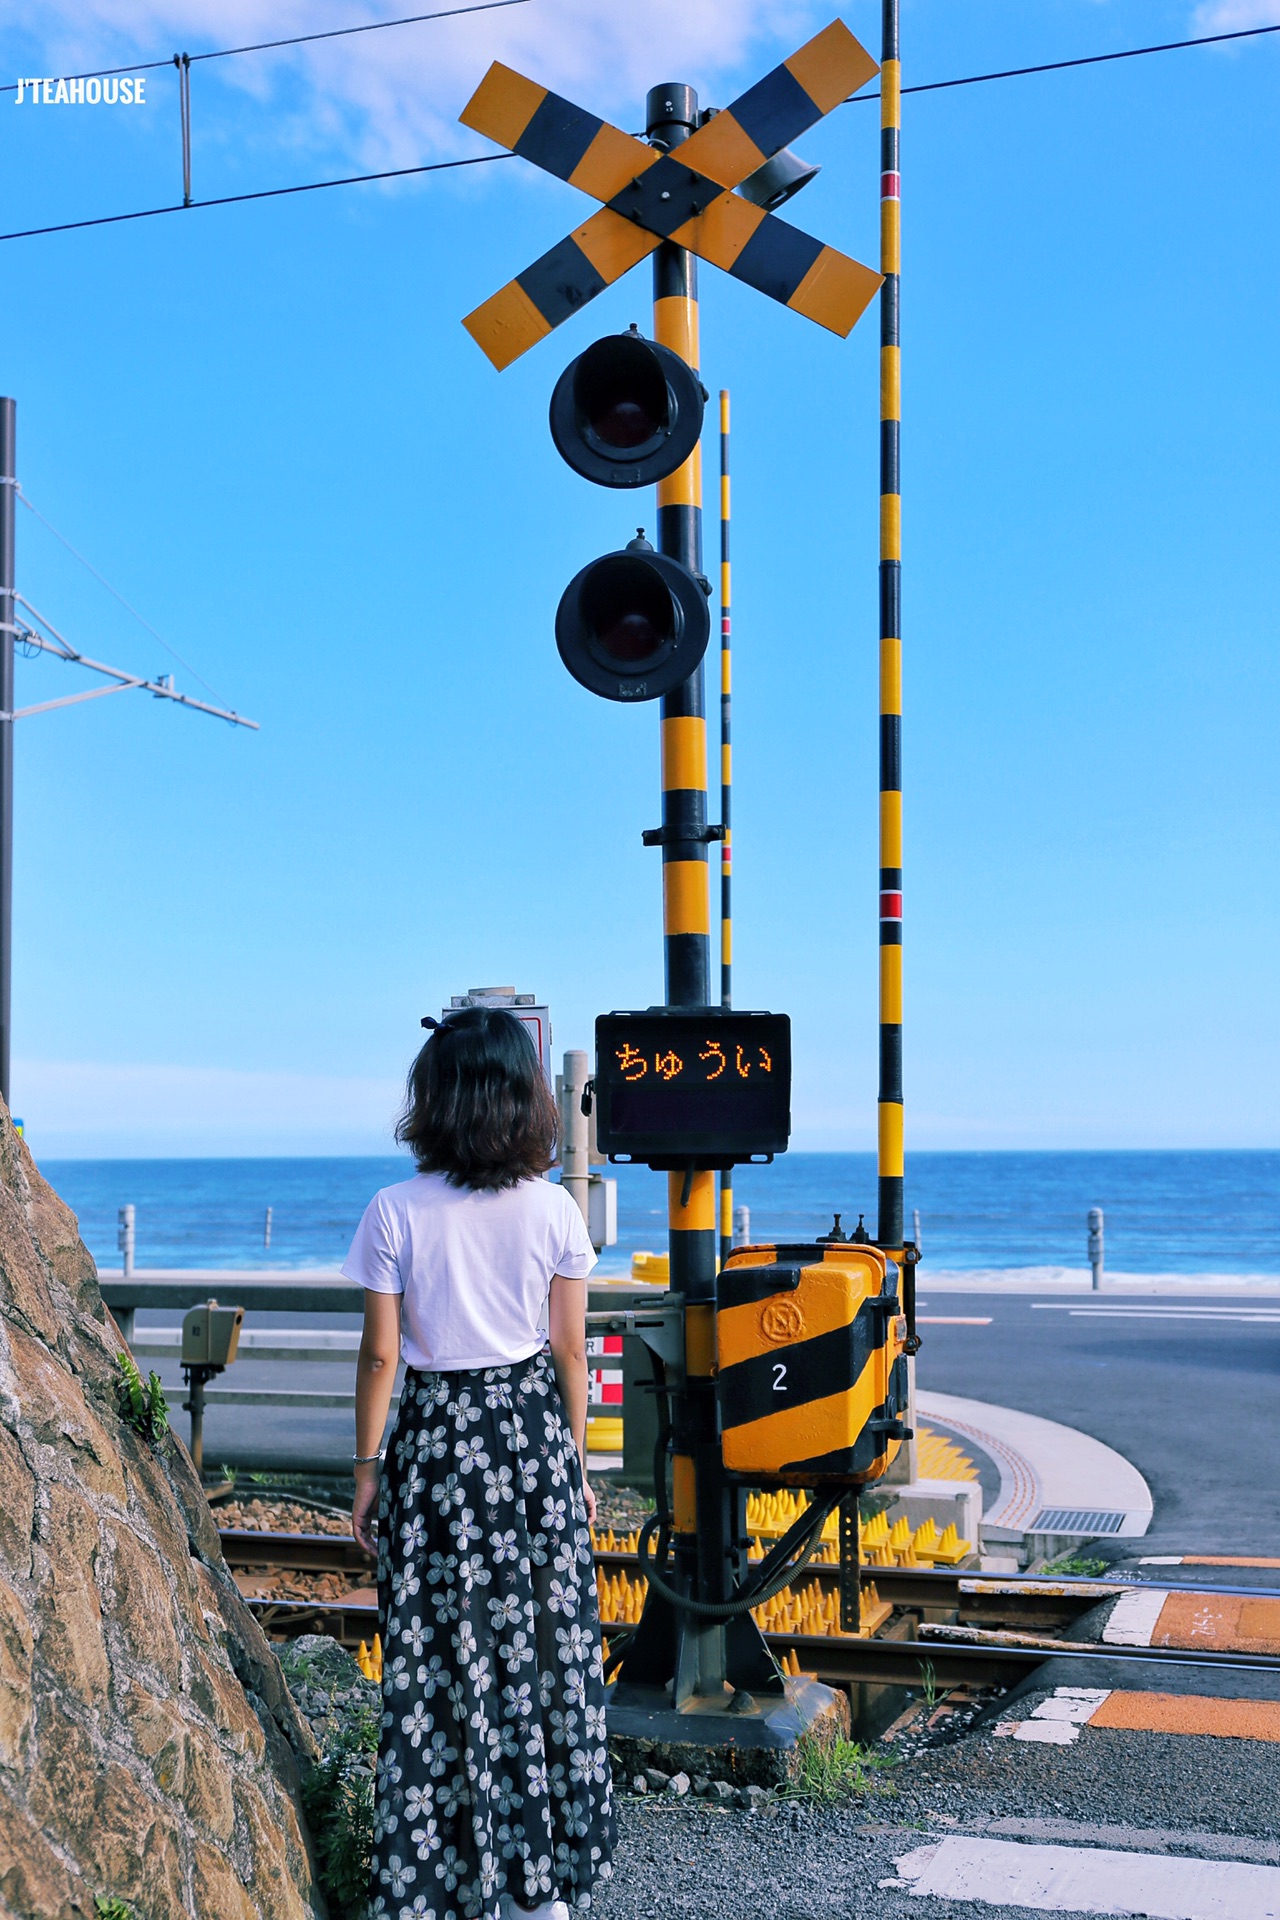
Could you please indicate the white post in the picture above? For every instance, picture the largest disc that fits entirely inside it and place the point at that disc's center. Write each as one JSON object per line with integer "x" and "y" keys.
{"x": 266, "y": 1228}
{"x": 1095, "y": 1245}
{"x": 125, "y": 1238}
{"x": 915, "y": 1226}
{"x": 742, "y": 1226}
{"x": 575, "y": 1169}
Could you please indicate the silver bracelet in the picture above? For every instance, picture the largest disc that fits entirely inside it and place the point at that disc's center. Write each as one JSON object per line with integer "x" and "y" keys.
{"x": 363, "y": 1459}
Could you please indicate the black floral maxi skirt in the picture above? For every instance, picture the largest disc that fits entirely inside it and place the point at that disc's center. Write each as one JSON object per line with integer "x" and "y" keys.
{"x": 493, "y": 1767}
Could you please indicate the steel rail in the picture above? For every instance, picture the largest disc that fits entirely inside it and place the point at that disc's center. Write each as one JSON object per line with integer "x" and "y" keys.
{"x": 838, "y": 1660}
{"x": 940, "y": 1587}
{"x": 906, "y": 1586}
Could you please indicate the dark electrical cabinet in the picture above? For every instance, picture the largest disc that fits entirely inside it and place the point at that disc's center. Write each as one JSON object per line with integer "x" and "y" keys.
{"x": 684, "y": 1084}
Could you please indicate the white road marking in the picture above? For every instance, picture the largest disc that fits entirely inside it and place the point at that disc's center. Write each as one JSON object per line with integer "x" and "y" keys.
{"x": 952, "y": 1320}
{"x": 1052, "y": 1879}
{"x": 1104, "y": 1310}
{"x": 1133, "y": 1618}
{"x": 1056, "y": 1721}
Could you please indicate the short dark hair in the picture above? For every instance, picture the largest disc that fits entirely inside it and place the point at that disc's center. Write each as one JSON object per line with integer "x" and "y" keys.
{"x": 477, "y": 1105}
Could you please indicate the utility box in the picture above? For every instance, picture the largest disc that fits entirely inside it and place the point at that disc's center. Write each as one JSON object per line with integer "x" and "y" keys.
{"x": 535, "y": 1019}
{"x": 211, "y": 1335}
{"x": 811, "y": 1373}
{"x": 602, "y": 1211}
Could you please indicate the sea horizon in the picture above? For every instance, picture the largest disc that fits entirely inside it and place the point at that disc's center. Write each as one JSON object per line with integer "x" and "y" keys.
{"x": 1207, "y": 1211}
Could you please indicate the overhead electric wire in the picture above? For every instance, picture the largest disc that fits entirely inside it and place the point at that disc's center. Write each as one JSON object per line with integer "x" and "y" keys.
{"x": 116, "y": 595}
{"x": 444, "y": 166}
{"x": 263, "y": 193}
{"x": 1082, "y": 60}
{"x": 297, "y": 40}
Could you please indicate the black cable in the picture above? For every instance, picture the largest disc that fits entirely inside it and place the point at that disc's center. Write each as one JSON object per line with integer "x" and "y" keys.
{"x": 1083, "y": 60}
{"x": 762, "y": 1588}
{"x": 264, "y": 193}
{"x": 355, "y": 179}
{"x": 298, "y": 40}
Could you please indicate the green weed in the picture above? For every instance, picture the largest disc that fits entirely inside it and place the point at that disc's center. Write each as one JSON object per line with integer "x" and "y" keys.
{"x": 837, "y": 1770}
{"x": 141, "y": 1406}
{"x": 1084, "y": 1564}
{"x": 109, "y": 1906}
{"x": 929, "y": 1686}
{"x": 337, "y": 1798}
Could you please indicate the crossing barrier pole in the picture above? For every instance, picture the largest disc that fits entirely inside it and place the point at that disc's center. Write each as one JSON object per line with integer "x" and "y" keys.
{"x": 726, "y": 783}
{"x": 889, "y": 1130}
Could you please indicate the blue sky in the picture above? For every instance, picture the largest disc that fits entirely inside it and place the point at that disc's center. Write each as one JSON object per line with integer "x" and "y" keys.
{"x": 266, "y": 426}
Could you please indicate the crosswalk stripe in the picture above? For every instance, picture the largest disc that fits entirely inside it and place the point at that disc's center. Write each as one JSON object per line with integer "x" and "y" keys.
{"x": 1052, "y": 1879}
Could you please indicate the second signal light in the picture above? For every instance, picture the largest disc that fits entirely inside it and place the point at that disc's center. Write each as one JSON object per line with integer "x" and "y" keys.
{"x": 635, "y": 623}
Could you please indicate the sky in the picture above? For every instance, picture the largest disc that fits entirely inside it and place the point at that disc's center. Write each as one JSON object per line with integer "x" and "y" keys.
{"x": 265, "y": 426}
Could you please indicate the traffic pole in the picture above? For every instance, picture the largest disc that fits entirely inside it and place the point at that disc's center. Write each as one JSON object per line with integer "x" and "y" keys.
{"x": 726, "y": 783}
{"x": 889, "y": 1153}
{"x": 703, "y": 1532}
{"x": 8, "y": 610}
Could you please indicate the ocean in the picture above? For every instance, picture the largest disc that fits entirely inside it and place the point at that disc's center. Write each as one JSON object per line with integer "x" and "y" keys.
{"x": 1176, "y": 1213}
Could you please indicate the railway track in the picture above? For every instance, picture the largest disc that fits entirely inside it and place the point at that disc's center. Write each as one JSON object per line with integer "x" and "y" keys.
{"x": 972, "y": 1630}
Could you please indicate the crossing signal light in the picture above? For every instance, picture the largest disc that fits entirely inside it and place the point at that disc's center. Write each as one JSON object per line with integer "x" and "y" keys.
{"x": 627, "y": 412}
{"x": 633, "y": 625}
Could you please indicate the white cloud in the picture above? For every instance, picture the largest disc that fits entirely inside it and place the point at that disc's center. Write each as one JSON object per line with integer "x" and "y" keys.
{"x": 1228, "y": 16}
{"x": 392, "y": 98}
{"x": 87, "y": 1109}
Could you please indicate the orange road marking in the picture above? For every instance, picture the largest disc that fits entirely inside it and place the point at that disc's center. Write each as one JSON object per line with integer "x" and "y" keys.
{"x": 1227, "y": 1623}
{"x": 1224, "y": 1560}
{"x": 1190, "y": 1713}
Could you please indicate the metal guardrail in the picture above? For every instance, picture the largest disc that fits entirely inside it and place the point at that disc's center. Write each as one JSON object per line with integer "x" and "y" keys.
{"x": 627, "y": 1307}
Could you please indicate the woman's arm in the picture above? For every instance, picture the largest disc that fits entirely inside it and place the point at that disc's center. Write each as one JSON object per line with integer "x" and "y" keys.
{"x": 375, "y": 1378}
{"x": 567, "y": 1327}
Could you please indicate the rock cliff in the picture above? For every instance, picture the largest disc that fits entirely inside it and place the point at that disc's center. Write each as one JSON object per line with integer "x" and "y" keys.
{"x": 149, "y": 1748}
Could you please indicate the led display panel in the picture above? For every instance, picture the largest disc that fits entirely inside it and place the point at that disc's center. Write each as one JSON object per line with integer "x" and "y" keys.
{"x": 688, "y": 1083}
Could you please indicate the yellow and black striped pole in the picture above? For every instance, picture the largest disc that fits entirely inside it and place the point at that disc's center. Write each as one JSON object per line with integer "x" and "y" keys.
{"x": 889, "y": 1111}
{"x": 726, "y": 783}
{"x": 702, "y": 1505}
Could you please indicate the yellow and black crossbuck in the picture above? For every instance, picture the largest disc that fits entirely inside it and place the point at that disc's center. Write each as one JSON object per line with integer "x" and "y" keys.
{"x": 650, "y": 196}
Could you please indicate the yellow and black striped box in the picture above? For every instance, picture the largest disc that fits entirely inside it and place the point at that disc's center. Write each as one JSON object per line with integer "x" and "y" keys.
{"x": 811, "y": 1377}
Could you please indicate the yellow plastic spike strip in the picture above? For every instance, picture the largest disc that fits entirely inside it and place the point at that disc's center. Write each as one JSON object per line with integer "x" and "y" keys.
{"x": 942, "y": 1459}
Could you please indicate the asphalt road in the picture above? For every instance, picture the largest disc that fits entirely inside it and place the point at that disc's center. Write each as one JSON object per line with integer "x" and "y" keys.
{"x": 1181, "y": 1385}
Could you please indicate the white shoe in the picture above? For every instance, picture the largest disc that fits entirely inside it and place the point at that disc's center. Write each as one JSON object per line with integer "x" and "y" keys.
{"x": 550, "y": 1910}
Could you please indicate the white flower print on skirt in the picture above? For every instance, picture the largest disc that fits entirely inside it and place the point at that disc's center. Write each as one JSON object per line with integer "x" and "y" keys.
{"x": 493, "y": 1765}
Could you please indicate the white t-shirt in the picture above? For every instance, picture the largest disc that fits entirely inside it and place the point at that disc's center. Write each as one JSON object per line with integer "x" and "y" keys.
{"x": 475, "y": 1268}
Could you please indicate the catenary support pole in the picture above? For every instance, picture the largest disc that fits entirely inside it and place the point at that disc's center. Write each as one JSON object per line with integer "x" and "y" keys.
{"x": 575, "y": 1165}
{"x": 889, "y": 1110}
{"x": 726, "y": 784}
{"x": 8, "y": 504}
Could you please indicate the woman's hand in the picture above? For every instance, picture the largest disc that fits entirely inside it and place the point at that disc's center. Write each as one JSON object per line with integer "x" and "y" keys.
{"x": 588, "y": 1494}
{"x": 364, "y": 1505}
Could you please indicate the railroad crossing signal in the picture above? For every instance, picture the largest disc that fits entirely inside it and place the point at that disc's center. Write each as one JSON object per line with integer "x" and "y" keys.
{"x": 633, "y": 625}
{"x": 650, "y": 196}
{"x": 627, "y": 412}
